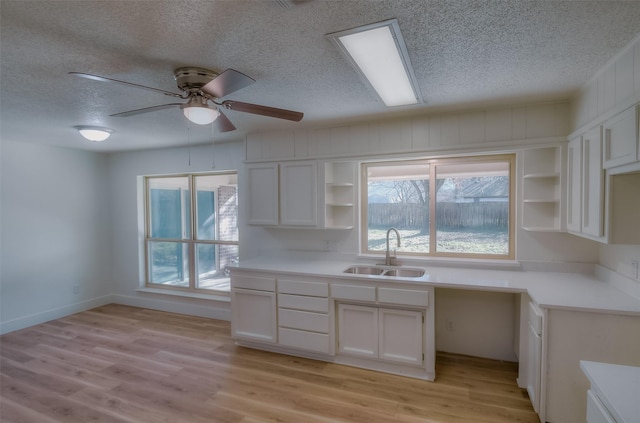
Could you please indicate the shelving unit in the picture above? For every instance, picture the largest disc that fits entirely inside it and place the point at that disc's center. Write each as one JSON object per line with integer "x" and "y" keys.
{"x": 542, "y": 189}
{"x": 339, "y": 187}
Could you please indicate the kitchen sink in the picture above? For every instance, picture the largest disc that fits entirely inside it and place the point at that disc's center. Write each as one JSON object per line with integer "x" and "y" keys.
{"x": 405, "y": 273}
{"x": 380, "y": 271}
{"x": 364, "y": 270}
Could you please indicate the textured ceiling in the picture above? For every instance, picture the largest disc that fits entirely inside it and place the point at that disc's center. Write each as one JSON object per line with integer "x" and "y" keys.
{"x": 464, "y": 53}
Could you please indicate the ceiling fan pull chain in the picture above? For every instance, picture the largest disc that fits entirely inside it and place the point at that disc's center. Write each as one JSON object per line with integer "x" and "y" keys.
{"x": 189, "y": 142}
{"x": 213, "y": 155}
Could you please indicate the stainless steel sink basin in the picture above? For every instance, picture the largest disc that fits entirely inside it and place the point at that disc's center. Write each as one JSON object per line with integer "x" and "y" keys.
{"x": 364, "y": 270}
{"x": 380, "y": 271}
{"x": 405, "y": 273}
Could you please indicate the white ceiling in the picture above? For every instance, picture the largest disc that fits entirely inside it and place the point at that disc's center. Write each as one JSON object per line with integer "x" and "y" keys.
{"x": 464, "y": 53}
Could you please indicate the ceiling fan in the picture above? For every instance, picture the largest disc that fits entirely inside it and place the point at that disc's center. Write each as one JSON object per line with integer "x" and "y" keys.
{"x": 199, "y": 87}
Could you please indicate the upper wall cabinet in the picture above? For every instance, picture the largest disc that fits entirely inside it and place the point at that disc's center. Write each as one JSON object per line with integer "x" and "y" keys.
{"x": 600, "y": 206}
{"x": 282, "y": 194}
{"x": 263, "y": 194}
{"x": 585, "y": 188}
{"x": 621, "y": 139}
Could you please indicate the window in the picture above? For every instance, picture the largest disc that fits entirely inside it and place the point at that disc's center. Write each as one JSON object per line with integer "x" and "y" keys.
{"x": 191, "y": 231}
{"x": 446, "y": 207}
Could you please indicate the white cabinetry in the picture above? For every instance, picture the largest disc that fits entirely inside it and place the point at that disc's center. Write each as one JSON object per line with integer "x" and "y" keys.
{"x": 262, "y": 185}
{"x": 380, "y": 325}
{"x": 613, "y": 394}
{"x": 282, "y": 194}
{"x": 400, "y": 337}
{"x": 574, "y": 185}
{"x": 534, "y": 365}
{"x": 586, "y": 189}
{"x": 381, "y": 333}
{"x": 530, "y": 373}
{"x": 542, "y": 185}
{"x": 571, "y": 336}
{"x": 298, "y": 194}
{"x": 621, "y": 139}
{"x": 339, "y": 195}
{"x": 358, "y": 330}
{"x": 592, "y": 184}
{"x": 304, "y": 315}
{"x": 253, "y": 308}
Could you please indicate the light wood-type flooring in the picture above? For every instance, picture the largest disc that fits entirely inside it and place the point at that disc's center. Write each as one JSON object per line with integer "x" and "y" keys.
{"x": 125, "y": 364}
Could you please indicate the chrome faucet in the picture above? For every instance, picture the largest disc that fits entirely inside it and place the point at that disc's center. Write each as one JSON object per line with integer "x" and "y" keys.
{"x": 389, "y": 260}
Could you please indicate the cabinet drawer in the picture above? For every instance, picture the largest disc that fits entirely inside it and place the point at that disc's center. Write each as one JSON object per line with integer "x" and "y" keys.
{"x": 259, "y": 283}
{"x": 596, "y": 412}
{"x": 311, "y": 341}
{"x": 535, "y": 318}
{"x": 353, "y": 292}
{"x": 312, "y": 289}
{"x": 296, "y": 319}
{"x": 303, "y": 303}
{"x": 403, "y": 296}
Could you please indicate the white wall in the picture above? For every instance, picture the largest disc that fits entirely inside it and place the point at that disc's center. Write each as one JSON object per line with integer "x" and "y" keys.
{"x": 56, "y": 254}
{"x": 124, "y": 208}
{"x": 480, "y": 324}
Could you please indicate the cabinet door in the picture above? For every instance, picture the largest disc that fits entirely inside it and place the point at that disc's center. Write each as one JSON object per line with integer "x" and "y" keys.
{"x": 253, "y": 315}
{"x": 574, "y": 185}
{"x": 621, "y": 139}
{"x": 298, "y": 194}
{"x": 358, "y": 330}
{"x": 593, "y": 184}
{"x": 400, "y": 336}
{"x": 533, "y": 369}
{"x": 263, "y": 194}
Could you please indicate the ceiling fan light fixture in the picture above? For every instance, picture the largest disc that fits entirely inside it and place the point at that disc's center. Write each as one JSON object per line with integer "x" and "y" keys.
{"x": 378, "y": 53}
{"x": 198, "y": 111}
{"x": 94, "y": 133}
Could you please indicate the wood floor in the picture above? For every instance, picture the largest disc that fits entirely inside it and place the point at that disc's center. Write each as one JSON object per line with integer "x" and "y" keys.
{"x": 126, "y": 364}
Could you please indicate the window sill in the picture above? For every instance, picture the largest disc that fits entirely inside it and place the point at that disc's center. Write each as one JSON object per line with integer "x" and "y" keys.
{"x": 177, "y": 293}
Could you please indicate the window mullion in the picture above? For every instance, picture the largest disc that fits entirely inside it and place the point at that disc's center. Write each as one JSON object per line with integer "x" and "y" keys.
{"x": 194, "y": 222}
{"x": 433, "y": 183}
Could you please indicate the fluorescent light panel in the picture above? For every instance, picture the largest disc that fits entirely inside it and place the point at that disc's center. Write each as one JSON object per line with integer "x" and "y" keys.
{"x": 378, "y": 53}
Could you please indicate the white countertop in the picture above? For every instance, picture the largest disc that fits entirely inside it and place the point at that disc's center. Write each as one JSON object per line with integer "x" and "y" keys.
{"x": 618, "y": 387}
{"x": 570, "y": 291}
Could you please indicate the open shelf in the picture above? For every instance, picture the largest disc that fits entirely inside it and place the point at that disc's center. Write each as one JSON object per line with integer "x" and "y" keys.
{"x": 542, "y": 189}
{"x": 339, "y": 192}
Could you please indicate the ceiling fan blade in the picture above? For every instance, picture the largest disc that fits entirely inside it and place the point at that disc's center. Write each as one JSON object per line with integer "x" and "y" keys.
{"x": 146, "y": 110}
{"x": 262, "y": 110}
{"x": 128, "y": 84}
{"x": 223, "y": 124}
{"x": 227, "y": 82}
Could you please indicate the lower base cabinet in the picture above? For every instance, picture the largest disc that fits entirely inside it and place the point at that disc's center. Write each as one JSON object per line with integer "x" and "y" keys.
{"x": 386, "y": 326}
{"x": 381, "y": 333}
{"x": 247, "y": 305}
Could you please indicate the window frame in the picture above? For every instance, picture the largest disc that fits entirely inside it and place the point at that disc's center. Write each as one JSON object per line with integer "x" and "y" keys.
{"x": 433, "y": 163}
{"x": 192, "y": 241}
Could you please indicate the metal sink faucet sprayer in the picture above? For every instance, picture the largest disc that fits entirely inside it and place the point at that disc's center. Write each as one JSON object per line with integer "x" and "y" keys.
{"x": 389, "y": 259}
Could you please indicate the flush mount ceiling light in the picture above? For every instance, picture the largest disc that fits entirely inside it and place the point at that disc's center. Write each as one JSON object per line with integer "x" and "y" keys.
{"x": 198, "y": 111}
{"x": 379, "y": 55}
{"x": 94, "y": 133}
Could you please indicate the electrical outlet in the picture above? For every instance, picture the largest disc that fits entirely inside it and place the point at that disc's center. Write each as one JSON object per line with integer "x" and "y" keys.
{"x": 76, "y": 289}
{"x": 634, "y": 269}
{"x": 450, "y": 326}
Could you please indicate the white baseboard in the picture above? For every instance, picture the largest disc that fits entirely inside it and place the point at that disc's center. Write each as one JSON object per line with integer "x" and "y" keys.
{"x": 56, "y": 313}
{"x": 215, "y": 310}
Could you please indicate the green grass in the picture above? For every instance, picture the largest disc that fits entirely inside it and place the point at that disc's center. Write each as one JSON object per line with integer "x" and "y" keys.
{"x": 447, "y": 240}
